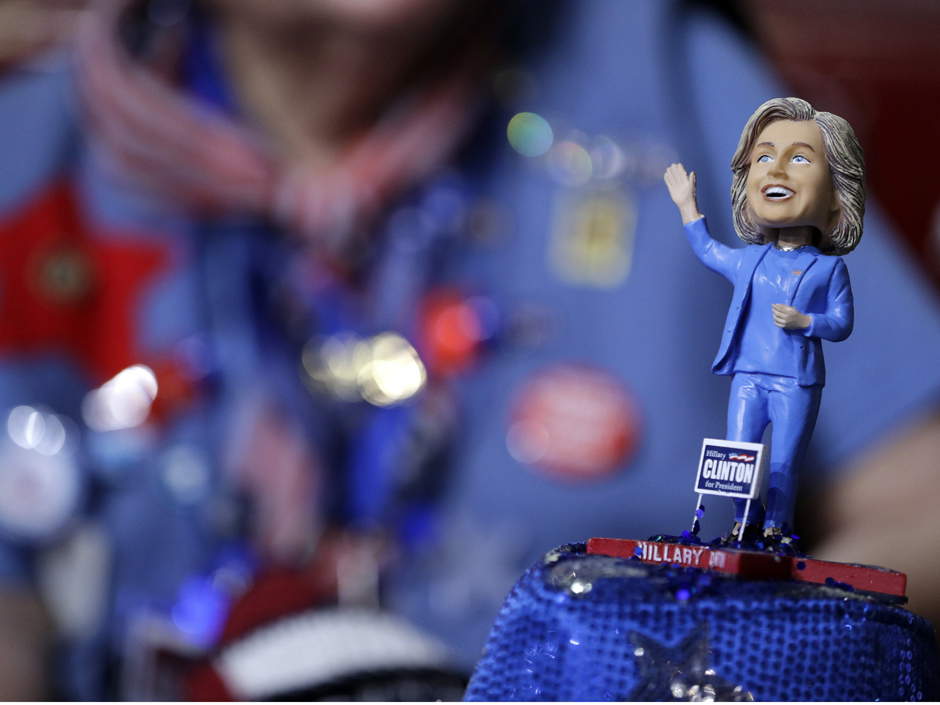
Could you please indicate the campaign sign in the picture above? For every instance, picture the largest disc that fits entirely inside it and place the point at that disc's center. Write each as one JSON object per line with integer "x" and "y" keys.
{"x": 730, "y": 468}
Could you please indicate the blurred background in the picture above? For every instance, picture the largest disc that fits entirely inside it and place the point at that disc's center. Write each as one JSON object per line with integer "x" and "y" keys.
{"x": 372, "y": 510}
{"x": 880, "y": 71}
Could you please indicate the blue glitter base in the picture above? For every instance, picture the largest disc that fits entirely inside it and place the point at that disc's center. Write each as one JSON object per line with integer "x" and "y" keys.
{"x": 770, "y": 544}
{"x": 591, "y": 627}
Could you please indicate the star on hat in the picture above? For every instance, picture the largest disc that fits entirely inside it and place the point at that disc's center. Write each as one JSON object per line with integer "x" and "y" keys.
{"x": 680, "y": 672}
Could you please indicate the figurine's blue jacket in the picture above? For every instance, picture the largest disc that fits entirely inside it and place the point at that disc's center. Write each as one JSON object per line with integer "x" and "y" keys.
{"x": 820, "y": 288}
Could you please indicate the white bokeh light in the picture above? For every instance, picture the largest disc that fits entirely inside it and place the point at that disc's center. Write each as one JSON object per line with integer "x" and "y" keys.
{"x": 38, "y": 429}
{"x": 394, "y": 374}
{"x": 384, "y": 369}
{"x": 122, "y": 402}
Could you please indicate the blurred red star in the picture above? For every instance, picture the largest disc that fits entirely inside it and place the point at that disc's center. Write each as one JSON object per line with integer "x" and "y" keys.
{"x": 63, "y": 290}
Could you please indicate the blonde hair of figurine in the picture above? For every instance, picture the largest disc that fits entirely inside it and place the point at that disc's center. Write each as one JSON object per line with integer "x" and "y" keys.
{"x": 846, "y": 164}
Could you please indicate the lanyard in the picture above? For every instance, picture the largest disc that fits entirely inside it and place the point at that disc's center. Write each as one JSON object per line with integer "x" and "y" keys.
{"x": 268, "y": 301}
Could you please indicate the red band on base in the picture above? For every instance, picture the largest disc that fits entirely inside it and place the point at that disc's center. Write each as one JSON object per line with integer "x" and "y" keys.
{"x": 757, "y": 565}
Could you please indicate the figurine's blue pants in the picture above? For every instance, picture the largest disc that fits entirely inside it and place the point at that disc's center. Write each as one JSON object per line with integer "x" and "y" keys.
{"x": 756, "y": 400}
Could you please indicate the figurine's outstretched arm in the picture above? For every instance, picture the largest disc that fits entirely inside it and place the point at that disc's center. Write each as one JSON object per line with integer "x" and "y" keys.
{"x": 681, "y": 187}
{"x": 714, "y": 255}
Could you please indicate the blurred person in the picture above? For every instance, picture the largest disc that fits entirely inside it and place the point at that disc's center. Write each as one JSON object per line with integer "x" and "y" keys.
{"x": 276, "y": 269}
{"x": 30, "y": 27}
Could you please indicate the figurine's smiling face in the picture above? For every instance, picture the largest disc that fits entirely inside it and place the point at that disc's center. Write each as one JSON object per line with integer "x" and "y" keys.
{"x": 789, "y": 184}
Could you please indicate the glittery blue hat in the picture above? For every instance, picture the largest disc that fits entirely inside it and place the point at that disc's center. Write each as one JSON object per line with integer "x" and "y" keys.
{"x": 590, "y": 627}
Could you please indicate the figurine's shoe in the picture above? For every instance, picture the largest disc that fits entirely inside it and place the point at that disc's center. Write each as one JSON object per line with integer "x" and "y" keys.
{"x": 733, "y": 534}
{"x": 775, "y": 532}
{"x": 751, "y": 533}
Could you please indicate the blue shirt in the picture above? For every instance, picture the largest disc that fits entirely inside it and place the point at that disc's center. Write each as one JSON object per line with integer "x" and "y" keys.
{"x": 683, "y": 89}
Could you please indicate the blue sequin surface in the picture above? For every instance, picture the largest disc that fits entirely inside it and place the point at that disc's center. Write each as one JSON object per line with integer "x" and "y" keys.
{"x": 587, "y": 627}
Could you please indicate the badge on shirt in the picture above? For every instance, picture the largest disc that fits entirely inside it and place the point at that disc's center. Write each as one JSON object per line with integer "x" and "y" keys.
{"x": 593, "y": 234}
{"x": 574, "y": 422}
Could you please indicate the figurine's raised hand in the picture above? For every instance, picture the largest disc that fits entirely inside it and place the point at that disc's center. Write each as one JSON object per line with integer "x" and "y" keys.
{"x": 789, "y": 318}
{"x": 681, "y": 187}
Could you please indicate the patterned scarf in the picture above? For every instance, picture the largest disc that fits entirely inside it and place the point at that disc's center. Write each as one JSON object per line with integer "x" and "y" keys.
{"x": 171, "y": 145}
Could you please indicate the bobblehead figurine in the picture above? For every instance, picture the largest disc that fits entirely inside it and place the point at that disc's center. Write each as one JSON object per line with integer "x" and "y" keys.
{"x": 798, "y": 195}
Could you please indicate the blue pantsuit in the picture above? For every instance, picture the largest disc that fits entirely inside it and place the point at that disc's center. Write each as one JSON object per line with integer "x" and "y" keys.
{"x": 778, "y": 374}
{"x": 756, "y": 400}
